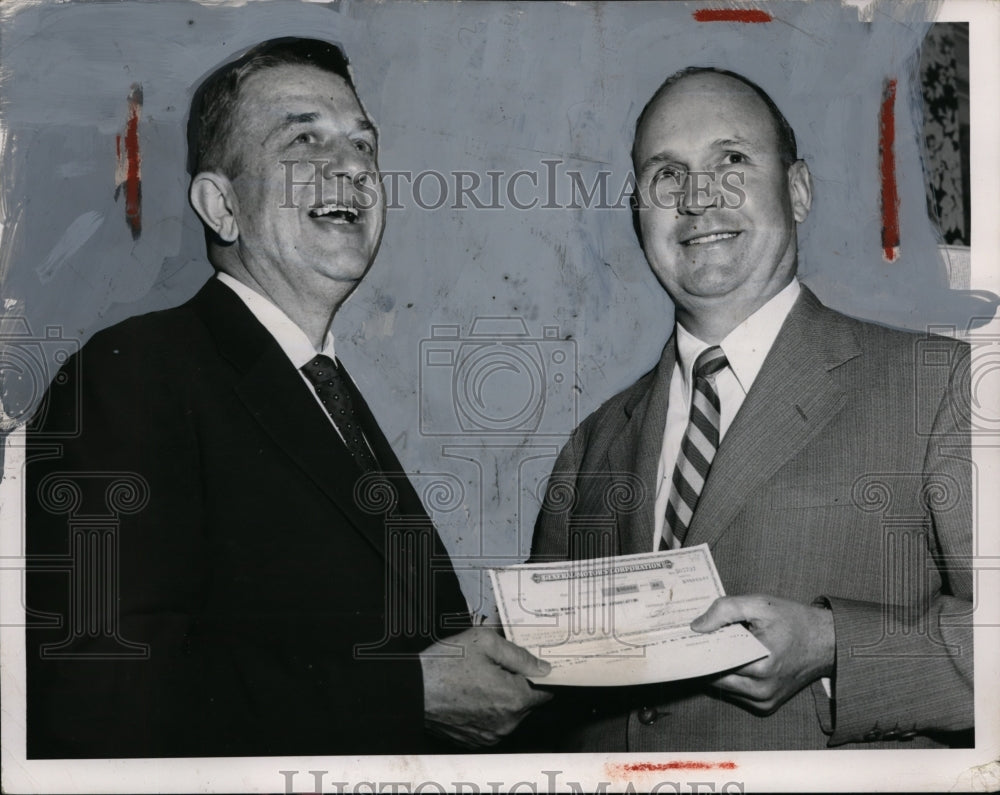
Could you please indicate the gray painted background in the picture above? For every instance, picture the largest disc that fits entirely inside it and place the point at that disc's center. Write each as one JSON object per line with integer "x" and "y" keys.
{"x": 459, "y": 87}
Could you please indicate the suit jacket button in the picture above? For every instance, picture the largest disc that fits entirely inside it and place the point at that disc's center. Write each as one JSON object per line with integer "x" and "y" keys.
{"x": 908, "y": 735}
{"x": 647, "y": 716}
{"x": 873, "y": 735}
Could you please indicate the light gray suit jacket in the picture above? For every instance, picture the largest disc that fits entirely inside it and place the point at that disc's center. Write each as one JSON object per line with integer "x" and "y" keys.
{"x": 845, "y": 477}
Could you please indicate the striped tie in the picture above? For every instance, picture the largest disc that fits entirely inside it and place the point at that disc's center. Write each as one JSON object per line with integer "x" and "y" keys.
{"x": 701, "y": 440}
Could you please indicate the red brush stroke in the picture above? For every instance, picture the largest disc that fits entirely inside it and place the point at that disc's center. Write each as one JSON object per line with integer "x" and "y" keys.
{"x": 622, "y": 770}
{"x": 732, "y": 15}
{"x": 887, "y": 170}
{"x": 133, "y": 185}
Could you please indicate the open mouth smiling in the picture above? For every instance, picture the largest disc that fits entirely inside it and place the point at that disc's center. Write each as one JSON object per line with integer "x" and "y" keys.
{"x": 712, "y": 237}
{"x": 338, "y": 213}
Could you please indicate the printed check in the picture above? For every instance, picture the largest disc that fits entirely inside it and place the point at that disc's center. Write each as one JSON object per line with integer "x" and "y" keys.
{"x": 622, "y": 620}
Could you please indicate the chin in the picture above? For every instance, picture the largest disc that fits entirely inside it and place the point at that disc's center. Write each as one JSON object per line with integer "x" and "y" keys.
{"x": 705, "y": 278}
{"x": 349, "y": 271}
{"x": 712, "y": 288}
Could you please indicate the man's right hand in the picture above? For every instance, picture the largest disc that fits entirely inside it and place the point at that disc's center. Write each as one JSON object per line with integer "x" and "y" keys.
{"x": 479, "y": 696}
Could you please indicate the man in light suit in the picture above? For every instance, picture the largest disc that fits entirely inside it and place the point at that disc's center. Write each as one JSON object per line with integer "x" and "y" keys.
{"x": 226, "y": 556}
{"x": 824, "y": 460}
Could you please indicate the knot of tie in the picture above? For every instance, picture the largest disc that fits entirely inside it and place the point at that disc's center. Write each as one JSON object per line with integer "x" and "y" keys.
{"x": 710, "y": 362}
{"x": 320, "y": 369}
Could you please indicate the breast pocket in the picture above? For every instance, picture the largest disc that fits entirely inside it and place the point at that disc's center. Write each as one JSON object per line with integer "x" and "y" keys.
{"x": 811, "y": 494}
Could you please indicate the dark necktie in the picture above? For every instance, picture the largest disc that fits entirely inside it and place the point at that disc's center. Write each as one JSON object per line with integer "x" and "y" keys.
{"x": 334, "y": 393}
{"x": 701, "y": 440}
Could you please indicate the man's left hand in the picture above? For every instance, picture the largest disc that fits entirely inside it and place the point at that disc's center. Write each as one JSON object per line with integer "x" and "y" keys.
{"x": 800, "y": 638}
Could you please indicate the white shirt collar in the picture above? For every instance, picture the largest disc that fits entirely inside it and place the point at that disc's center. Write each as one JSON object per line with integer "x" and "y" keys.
{"x": 747, "y": 345}
{"x": 290, "y": 337}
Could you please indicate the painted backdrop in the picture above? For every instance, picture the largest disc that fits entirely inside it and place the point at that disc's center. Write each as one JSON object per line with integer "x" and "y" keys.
{"x": 495, "y": 318}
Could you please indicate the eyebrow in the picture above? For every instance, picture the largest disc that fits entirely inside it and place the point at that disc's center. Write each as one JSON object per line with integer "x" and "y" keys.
{"x": 299, "y": 118}
{"x": 293, "y": 119}
{"x": 655, "y": 160}
{"x": 724, "y": 142}
{"x": 365, "y": 125}
{"x": 718, "y": 143}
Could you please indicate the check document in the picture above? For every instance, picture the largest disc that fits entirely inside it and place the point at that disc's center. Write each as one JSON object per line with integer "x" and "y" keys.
{"x": 622, "y": 620}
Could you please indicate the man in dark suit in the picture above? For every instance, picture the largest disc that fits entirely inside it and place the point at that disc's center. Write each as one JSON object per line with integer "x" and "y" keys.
{"x": 824, "y": 460}
{"x": 226, "y": 557}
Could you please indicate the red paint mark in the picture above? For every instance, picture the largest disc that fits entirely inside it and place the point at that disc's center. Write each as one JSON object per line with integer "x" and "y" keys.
{"x": 623, "y": 770}
{"x": 732, "y": 15}
{"x": 887, "y": 169}
{"x": 129, "y": 161}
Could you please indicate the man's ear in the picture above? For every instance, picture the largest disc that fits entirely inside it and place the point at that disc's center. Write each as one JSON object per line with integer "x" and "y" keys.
{"x": 212, "y": 197}
{"x": 800, "y": 189}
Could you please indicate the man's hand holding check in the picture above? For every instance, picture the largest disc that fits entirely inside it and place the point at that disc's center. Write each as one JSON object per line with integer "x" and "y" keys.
{"x": 800, "y": 638}
{"x": 475, "y": 692}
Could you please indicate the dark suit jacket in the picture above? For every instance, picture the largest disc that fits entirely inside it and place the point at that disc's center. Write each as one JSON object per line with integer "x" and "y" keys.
{"x": 846, "y": 477}
{"x": 205, "y": 579}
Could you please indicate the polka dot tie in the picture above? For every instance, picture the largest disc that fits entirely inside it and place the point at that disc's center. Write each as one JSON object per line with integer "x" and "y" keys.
{"x": 334, "y": 393}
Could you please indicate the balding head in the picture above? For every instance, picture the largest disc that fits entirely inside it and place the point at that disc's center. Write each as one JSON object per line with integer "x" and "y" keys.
{"x": 719, "y": 194}
{"x": 784, "y": 133}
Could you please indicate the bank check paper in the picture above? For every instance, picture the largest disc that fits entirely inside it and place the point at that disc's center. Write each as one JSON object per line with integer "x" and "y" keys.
{"x": 622, "y": 620}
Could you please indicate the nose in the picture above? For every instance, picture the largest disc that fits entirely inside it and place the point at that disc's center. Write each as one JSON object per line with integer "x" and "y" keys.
{"x": 345, "y": 160}
{"x": 698, "y": 193}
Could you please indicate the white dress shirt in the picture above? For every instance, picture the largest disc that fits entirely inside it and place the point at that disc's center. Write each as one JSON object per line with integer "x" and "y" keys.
{"x": 290, "y": 338}
{"x": 746, "y": 347}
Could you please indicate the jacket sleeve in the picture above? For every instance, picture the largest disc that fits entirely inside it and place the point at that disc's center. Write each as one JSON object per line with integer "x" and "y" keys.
{"x": 551, "y": 541}
{"x": 120, "y": 663}
{"x": 113, "y": 583}
{"x": 905, "y": 666}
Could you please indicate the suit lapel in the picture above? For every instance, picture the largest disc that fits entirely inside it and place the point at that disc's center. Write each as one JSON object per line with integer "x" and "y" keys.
{"x": 793, "y": 397}
{"x": 637, "y": 449}
{"x": 278, "y": 399}
{"x": 389, "y": 464}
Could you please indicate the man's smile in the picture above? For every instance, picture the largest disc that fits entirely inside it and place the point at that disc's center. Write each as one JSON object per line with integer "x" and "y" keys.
{"x": 710, "y": 237}
{"x": 336, "y": 212}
